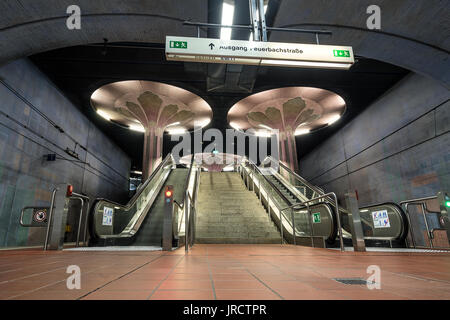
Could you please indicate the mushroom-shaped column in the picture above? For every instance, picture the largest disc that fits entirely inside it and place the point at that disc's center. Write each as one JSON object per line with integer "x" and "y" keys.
{"x": 288, "y": 112}
{"x": 152, "y": 108}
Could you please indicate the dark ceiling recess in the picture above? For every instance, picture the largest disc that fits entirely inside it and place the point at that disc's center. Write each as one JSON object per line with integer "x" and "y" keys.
{"x": 79, "y": 71}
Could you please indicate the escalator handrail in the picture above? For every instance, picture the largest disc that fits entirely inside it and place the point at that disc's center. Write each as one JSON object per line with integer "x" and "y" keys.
{"x": 186, "y": 183}
{"x": 300, "y": 178}
{"x": 270, "y": 182}
{"x": 273, "y": 187}
{"x": 133, "y": 200}
{"x": 190, "y": 198}
{"x": 328, "y": 195}
{"x": 303, "y": 203}
{"x": 335, "y": 204}
{"x": 129, "y": 204}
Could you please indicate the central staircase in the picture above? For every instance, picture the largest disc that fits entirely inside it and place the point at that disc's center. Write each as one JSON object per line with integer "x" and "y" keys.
{"x": 229, "y": 213}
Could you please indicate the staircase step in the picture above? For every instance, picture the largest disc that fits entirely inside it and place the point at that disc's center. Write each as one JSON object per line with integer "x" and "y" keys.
{"x": 229, "y": 213}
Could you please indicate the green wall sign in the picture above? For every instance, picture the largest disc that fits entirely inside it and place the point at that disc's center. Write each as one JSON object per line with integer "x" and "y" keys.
{"x": 316, "y": 217}
{"x": 178, "y": 44}
{"x": 341, "y": 53}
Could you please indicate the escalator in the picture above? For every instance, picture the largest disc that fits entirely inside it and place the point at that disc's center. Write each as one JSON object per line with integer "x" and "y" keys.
{"x": 150, "y": 232}
{"x": 288, "y": 195}
{"x": 292, "y": 200}
{"x": 140, "y": 221}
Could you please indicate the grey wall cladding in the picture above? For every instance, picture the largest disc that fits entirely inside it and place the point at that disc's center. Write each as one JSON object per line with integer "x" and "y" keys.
{"x": 25, "y": 179}
{"x": 398, "y": 148}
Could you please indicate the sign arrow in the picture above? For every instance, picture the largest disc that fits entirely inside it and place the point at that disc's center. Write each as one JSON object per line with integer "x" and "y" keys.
{"x": 211, "y": 45}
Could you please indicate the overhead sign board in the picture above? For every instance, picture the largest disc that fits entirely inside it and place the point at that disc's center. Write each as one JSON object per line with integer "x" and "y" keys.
{"x": 258, "y": 53}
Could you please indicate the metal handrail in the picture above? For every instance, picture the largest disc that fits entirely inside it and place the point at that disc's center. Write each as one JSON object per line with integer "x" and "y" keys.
{"x": 86, "y": 219}
{"x": 50, "y": 215}
{"x": 270, "y": 182}
{"x": 186, "y": 187}
{"x": 325, "y": 196}
{"x": 182, "y": 219}
{"x": 305, "y": 205}
{"x": 81, "y": 198}
{"x": 80, "y": 219}
{"x": 187, "y": 220}
{"x": 298, "y": 177}
{"x": 192, "y": 203}
{"x": 133, "y": 200}
{"x": 417, "y": 200}
{"x": 277, "y": 191}
{"x": 186, "y": 184}
{"x": 422, "y": 203}
{"x": 292, "y": 223}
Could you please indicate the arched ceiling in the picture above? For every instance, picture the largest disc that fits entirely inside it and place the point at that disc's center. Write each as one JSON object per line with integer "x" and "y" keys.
{"x": 31, "y": 26}
{"x": 414, "y": 34}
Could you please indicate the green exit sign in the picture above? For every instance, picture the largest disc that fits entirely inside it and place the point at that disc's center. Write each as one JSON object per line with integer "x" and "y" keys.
{"x": 341, "y": 53}
{"x": 316, "y": 217}
{"x": 178, "y": 44}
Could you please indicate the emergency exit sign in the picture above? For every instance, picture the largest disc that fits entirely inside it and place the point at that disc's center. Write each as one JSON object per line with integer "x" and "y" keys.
{"x": 341, "y": 53}
{"x": 178, "y": 44}
{"x": 316, "y": 217}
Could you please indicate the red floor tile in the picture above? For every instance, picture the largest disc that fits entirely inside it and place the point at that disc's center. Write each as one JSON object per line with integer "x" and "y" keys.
{"x": 182, "y": 295}
{"x": 228, "y": 271}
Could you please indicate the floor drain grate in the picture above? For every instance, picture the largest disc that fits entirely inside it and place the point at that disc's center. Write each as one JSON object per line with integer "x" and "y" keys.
{"x": 355, "y": 281}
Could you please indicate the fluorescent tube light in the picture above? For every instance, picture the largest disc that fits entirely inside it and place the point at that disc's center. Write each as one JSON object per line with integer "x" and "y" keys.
{"x": 227, "y": 19}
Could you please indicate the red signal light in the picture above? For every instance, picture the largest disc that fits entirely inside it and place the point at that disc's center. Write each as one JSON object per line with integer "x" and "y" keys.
{"x": 168, "y": 191}
{"x": 69, "y": 190}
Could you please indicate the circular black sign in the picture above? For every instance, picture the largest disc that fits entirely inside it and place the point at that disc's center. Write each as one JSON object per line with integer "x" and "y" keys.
{"x": 40, "y": 215}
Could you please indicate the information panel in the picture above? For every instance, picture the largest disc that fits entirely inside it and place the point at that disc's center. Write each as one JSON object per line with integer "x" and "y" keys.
{"x": 380, "y": 219}
{"x": 107, "y": 216}
{"x": 258, "y": 53}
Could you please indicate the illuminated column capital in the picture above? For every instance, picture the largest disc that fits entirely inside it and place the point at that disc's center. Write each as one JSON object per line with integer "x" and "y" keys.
{"x": 151, "y": 108}
{"x": 293, "y": 111}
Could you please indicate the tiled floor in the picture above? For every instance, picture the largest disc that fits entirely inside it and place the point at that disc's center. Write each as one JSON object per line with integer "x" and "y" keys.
{"x": 223, "y": 272}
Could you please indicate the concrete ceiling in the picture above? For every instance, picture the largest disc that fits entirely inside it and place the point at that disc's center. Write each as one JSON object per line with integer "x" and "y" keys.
{"x": 31, "y": 26}
{"x": 415, "y": 34}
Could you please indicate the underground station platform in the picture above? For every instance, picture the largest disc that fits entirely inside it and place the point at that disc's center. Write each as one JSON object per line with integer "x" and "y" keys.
{"x": 226, "y": 272}
{"x": 225, "y": 159}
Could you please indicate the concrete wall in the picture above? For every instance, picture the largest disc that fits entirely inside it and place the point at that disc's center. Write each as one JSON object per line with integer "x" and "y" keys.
{"x": 25, "y": 179}
{"x": 397, "y": 149}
